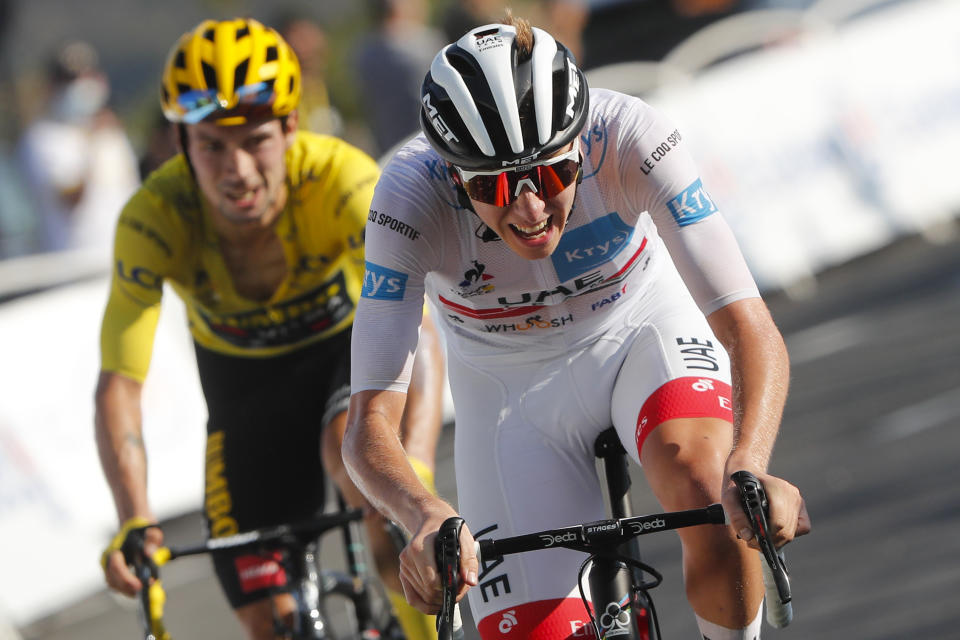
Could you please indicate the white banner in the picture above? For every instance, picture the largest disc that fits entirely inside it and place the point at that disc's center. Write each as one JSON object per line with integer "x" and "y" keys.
{"x": 828, "y": 147}
{"x": 56, "y": 512}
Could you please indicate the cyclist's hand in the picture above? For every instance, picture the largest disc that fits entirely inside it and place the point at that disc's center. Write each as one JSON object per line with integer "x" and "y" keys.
{"x": 418, "y": 566}
{"x": 788, "y": 512}
{"x": 118, "y": 575}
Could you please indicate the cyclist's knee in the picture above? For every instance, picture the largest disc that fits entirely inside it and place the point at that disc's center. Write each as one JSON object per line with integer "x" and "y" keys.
{"x": 683, "y": 461}
{"x": 257, "y": 618}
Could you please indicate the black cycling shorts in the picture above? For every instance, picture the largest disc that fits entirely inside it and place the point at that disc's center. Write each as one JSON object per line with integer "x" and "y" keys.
{"x": 263, "y": 464}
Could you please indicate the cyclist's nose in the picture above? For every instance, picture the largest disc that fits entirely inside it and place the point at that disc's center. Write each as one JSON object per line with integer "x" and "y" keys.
{"x": 239, "y": 163}
{"x": 528, "y": 202}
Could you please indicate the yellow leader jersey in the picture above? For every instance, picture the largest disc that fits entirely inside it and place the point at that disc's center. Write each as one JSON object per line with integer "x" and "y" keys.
{"x": 165, "y": 234}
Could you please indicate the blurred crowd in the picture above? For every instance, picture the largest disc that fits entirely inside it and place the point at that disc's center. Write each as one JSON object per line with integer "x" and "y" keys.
{"x": 68, "y": 165}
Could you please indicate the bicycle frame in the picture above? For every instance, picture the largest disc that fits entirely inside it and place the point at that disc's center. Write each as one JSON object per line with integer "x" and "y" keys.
{"x": 610, "y": 578}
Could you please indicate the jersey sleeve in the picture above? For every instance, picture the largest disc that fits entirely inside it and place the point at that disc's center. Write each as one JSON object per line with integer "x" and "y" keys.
{"x": 660, "y": 177}
{"x": 143, "y": 257}
{"x": 402, "y": 246}
{"x": 357, "y": 177}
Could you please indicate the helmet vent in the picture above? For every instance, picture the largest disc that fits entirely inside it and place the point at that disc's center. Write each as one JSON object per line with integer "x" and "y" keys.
{"x": 243, "y": 31}
{"x": 209, "y": 75}
{"x": 182, "y": 88}
{"x": 208, "y": 34}
{"x": 464, "y": 67}
{"x": 240, "y": 74}
{"x": 180, "y": 62}
{"x": 271, "y": 54}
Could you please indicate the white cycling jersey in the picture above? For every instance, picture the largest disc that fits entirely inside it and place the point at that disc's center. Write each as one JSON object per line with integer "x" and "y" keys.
{"x": 543, "y": 355}
{"x": 639, "y": 185}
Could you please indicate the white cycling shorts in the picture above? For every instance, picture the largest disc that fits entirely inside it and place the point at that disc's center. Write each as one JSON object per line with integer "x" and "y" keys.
{"x": 524, "y": 445}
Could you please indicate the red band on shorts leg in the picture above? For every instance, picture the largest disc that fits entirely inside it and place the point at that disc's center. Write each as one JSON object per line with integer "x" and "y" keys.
{"x": 688, "y": 397}
{"x": 556, "y": 619}
{"x": 257, "y": 572}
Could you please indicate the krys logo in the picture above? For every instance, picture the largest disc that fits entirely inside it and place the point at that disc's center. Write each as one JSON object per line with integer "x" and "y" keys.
{"x": 692, "y": 204}
{"x": 381, "y": 283}
{"x": 591, "y": 245}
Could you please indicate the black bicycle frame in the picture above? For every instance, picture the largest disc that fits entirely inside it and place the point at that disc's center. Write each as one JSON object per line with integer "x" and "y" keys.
{"x": 612, "y": 582}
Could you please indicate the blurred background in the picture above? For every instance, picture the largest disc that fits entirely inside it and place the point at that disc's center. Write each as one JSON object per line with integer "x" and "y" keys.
{"x": 826, "y": 130}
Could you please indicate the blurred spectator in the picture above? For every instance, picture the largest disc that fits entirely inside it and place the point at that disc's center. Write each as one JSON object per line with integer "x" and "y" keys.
{"x": 648, "y": 29}
{"x": 309, "y": 41}
{"x": 565, "y": 20}
{"x": 161, "y": 145}
{"x": 77, "y": 159}
{"x": 464, "y": 15}
{"x": 749, "y": 5}
{"x": 391, "y": 62}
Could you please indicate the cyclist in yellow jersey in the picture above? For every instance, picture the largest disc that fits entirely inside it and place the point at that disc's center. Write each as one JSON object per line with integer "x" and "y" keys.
{"x": 258, "y": 227}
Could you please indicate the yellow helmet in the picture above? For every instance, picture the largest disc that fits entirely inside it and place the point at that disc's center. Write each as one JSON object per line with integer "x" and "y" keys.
{"x": 230, "y": 72}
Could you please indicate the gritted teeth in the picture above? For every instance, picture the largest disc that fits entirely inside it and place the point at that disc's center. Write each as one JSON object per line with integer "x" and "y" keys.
{"x": 530, "y": 230}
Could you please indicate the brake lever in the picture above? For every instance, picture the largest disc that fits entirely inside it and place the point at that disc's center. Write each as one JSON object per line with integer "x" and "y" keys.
{"x": 754, "y": 501}
{"x": 448, "y": 565}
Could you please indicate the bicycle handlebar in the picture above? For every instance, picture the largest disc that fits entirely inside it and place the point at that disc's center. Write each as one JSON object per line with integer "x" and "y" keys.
{"x": 280, "y": 534}
{"x": 591, "y": 537}
{"x": 146, "y": 568}
{"x": 776, "y": 578}
{"x": 601, "y": 536}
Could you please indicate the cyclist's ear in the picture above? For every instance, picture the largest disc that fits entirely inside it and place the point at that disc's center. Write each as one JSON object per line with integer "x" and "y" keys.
{"x": 289, "y": 123}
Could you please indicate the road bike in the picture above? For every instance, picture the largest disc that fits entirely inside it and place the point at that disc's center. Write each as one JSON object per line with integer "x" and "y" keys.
{"x": 296, "y": 546}
{"x": 620, "y": 602}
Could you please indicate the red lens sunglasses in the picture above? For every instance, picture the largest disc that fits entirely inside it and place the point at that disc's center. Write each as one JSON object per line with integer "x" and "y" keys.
{"x": 546, "y": 179}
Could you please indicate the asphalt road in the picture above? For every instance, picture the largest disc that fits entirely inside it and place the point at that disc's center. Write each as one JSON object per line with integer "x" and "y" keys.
{"x": 869, "y": 436}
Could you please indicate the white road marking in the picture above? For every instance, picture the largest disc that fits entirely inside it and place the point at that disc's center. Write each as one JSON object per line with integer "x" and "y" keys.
{"x": 826, "y": 339}
{"x": 939, "y": 410}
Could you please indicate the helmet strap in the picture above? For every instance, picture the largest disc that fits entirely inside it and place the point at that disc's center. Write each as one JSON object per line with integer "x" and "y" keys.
{"x": 182, "y": 138}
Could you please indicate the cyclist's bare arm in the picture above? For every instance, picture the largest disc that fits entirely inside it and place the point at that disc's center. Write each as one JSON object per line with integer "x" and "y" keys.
{"x": 124, "y": 462}
{"x": 423, "y": 413}
{"x": 378, "y": 465}
{"x": 760, "y": 370}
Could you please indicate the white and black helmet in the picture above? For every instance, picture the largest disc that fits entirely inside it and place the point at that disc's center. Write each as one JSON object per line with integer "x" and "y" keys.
{"x": 485, "y": 106}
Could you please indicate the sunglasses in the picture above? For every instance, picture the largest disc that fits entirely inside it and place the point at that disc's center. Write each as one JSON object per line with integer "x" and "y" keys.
{"x": 200, "y": 103}
{"x": 546, "y": 179}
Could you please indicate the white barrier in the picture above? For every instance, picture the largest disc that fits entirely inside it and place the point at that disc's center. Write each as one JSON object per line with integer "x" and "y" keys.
{"x": 56, "y": 513}
{"x": 829, "y": 145}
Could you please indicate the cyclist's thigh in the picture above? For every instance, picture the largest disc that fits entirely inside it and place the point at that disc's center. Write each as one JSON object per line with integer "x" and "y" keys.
{"x": 675, "y": 369}
{"x": 517, "y": 473}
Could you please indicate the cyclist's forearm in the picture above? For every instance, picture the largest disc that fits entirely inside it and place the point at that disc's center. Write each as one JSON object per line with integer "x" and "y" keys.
{"x": 760, "y": 375}
{"x": 423, "y": 414}
{"x": 120, "y": 444}
{"x": 376, "y": 460}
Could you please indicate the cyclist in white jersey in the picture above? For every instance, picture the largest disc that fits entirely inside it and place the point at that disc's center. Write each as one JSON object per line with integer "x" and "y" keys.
{"x": 585, "y": 278}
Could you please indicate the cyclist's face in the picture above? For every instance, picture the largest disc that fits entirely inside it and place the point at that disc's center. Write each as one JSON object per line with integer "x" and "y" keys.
{"x": 531, "y": 227}
{"x": 242, "y": 169}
